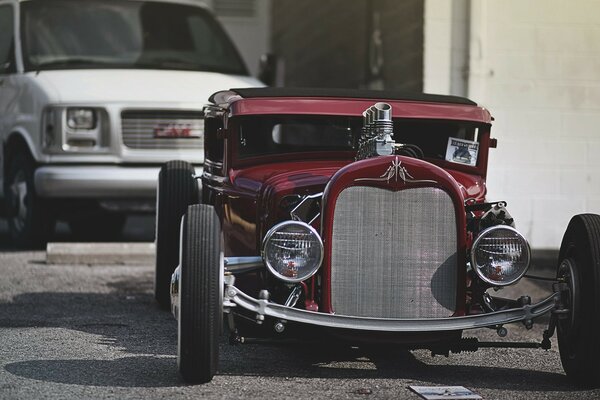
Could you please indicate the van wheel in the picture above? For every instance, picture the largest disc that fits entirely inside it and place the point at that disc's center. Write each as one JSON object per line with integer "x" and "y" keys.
{"x": 579, "y": 268}
{"x": 30, "y": 220}
{"x": 177, "y": 189}
{"x": 200, "y": 293}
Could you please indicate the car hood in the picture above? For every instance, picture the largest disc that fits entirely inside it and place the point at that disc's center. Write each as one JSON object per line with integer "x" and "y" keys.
{"x": 272, "y": 182}
{"x": 287, "y": 177}
{"x": 307, "y": 176}
{"x": 135, "y": 86}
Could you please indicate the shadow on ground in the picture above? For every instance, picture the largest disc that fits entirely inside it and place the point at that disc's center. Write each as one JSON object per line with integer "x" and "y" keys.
{"x": 128, "y": 319}
{"x": 138, "y": 228}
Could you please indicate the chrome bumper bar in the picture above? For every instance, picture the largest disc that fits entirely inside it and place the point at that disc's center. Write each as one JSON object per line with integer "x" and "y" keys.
{"x": 97, "y": 181}
{"x": 234, "y": 297}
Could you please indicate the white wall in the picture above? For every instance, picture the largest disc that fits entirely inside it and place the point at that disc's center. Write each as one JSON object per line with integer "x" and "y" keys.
{"x": 446, "y": 47}
{"x": 536, "y": 65}
{"x": 437, "y": 46}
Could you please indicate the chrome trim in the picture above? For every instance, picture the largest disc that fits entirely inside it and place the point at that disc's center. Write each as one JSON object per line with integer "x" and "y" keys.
{"x": 263, "y": 308}
{"x": 294, "y": 296}
{"x": 212, "y": 111}
{"x": 300, "y": 212}
{"x": 376, "y": 135}
{"x": 238, "y": 265}
{"x": 174, "y": 291}
{"x": 474, "y": 249}
{"x": 395, "y": 171}
{"x": 139, "y": 129}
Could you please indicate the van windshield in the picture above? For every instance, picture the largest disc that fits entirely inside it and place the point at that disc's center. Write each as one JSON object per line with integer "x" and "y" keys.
{"x": 75, "y": 34}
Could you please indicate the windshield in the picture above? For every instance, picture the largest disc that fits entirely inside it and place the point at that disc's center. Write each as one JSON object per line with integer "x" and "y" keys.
{"x": 273, "y": 135}
{"x": 260, "y": 136}
{"x": 75, "y": 34}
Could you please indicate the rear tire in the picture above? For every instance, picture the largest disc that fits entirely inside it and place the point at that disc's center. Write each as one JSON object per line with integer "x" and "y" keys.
{"x": 579, "y": 267}
{"x": 200, "y": 294}
{"x": 177, "y": 189}
{"x": 30, "y": 218}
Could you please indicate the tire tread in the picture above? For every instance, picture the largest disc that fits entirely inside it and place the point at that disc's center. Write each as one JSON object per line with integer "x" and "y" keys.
{"x": 199, "y": 309}
{"x": 177, "y": 189}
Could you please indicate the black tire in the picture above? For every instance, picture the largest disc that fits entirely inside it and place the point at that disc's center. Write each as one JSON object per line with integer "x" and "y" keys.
{"x": 98, "y": 227}
{"x": 177, "y": 189}
{"x": 200, "y": 293}
{"x": 30, "y": 218}
{"x": 579, "y": 267}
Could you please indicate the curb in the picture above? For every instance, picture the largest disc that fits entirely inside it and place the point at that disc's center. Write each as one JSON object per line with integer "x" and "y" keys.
{"x": 100, "y": 253}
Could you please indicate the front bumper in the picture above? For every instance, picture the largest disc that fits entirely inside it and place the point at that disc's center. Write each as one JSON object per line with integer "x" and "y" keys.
{"x": 98, "y": 181}
{"x": 234, "y": 297}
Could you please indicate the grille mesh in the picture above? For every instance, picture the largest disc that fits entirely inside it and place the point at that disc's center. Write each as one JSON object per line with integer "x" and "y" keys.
{"x": 394, "y": 253}
{"x": 140, "y": 127}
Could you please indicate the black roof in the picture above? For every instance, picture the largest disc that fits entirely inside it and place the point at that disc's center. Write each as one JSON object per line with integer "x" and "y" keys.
{"x": 348, "y": 93}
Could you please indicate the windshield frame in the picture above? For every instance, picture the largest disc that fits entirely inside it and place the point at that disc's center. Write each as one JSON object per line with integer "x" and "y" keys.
{"x": 237, "y": 161}
{"x": 77, "y": 63}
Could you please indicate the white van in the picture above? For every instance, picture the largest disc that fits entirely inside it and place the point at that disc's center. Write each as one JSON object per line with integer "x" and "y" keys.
{"x": 94, "y": 96}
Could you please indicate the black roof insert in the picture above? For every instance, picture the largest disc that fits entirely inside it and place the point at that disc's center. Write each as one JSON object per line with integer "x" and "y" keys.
{"x": 349, "y": 93}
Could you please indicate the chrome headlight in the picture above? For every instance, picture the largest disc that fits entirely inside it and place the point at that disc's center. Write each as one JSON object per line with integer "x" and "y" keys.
{"x": 293, "y": 251}
{"x": 500, "y": 255}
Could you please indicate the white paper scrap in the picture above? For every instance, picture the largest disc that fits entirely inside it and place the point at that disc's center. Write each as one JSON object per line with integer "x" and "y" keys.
{"x": 462, "y": 151}
{"x": 444, "y": 392}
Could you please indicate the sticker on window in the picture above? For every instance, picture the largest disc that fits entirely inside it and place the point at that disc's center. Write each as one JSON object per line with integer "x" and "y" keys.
{"x": 462, "y": 151}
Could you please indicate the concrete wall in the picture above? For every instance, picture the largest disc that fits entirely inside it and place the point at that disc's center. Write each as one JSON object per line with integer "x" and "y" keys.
{"x": 248, "y": 23}
{"x": 320, "y": 43}
{"x": 536, "y": 65}
{"x": 352, "y": 44}
{"x": 446, "y": 47}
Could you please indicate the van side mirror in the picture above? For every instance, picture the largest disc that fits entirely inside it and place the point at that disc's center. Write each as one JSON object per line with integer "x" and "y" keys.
{"x": 267, "y": 68}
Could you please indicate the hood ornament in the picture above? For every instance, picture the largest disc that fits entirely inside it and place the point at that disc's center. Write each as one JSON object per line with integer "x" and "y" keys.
{"x": 395, "y": 171}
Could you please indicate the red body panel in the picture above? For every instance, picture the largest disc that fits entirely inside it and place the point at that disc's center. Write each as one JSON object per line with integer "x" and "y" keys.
{"x": 336, "y": 106}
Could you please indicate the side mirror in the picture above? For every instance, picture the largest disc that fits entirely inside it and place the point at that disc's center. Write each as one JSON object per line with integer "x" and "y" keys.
{"x": 267, "y": 68}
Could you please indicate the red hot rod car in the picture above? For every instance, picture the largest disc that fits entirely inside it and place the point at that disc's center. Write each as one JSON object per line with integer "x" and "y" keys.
{"x": 361, "y": 214}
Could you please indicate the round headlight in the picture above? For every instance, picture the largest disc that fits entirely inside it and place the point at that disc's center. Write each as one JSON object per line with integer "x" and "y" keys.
{"x": 293, "y": 251}
{"x": 500, "y": 255}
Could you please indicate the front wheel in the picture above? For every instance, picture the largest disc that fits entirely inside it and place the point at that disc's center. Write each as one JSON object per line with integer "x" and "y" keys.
{"x": 200, "y": 294}
{"x": 579, "y": 269}
{"x": 30, "y": 218}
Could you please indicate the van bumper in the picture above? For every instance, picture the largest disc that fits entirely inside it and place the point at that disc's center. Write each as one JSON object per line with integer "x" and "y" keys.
{"x": 98, "y": 181}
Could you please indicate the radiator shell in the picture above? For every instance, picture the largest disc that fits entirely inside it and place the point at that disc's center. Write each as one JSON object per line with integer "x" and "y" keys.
{"x": 394, "y": 253}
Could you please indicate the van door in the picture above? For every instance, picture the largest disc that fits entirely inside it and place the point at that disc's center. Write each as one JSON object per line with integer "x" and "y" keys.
{"x": 7, "y": 68}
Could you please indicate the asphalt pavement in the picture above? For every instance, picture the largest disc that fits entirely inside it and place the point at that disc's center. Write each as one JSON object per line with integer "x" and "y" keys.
{"x": 81, "y": 331}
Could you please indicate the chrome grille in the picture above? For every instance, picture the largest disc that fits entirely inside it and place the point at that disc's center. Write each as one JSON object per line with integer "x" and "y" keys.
{"x": 142, "y": 129}
{"x": 394, "y": 253}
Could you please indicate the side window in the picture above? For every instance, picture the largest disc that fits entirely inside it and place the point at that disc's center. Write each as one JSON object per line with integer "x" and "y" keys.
{"x": 7, "y": 50}
{"x": 213, "y": 146}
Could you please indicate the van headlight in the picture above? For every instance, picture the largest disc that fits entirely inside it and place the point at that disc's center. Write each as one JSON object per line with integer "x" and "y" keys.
{"x": 75, "y": 130}
{"x": 500, "y": 255}
{"x": 81, "y": 118}
{"x": 293, "y": 251}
